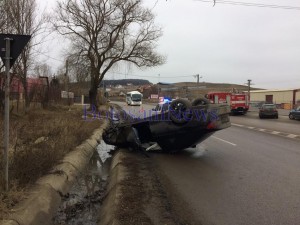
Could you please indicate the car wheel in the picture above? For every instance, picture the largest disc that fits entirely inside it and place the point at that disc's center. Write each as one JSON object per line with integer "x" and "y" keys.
{"x": 276, "y": 117}
{"x": 200, "y": 101}
{"x": 291, "y": 117}
{"x": 260, "y": 117}
{"x": 180, "y": 111}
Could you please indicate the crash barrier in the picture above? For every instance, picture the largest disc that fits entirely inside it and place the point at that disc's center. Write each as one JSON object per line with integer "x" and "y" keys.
{"x": 45, "y": 198}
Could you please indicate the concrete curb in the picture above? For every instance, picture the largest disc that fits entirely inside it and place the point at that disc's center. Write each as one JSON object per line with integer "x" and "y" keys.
{"x": 117, "y": 174}
{"x": 45, "y": 198}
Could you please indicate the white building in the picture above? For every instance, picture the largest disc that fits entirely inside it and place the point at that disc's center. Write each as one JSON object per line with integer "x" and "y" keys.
{"x": 286, "y": 97}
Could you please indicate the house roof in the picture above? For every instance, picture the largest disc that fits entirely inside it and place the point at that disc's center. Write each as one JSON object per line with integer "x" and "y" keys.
{"x": 272, "y": 90}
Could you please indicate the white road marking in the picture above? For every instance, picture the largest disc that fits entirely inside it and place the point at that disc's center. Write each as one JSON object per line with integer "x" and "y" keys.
{"x": 238, "y": 125}
{"x": 220, "y": 139}
{"x": 268, "y": 131}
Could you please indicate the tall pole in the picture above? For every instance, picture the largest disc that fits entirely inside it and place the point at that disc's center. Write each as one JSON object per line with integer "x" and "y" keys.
{"x": 67, "y": 82}
{"x": 6, "y": 113}
{"x": 158, "y": 86}
{"x": 198, "y": 87}
{"x": 249, "y": 84}
{"x": 197, "y": 83}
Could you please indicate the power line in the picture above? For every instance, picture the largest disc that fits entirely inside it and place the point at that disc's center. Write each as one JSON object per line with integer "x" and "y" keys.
{"x": 252, "y": 4}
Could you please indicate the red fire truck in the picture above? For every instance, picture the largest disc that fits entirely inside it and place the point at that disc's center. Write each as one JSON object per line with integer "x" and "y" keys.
{"x": 239, "y": 102}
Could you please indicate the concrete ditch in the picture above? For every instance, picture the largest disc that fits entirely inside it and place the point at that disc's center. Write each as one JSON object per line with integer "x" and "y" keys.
{"x": 117, "y": 174}
{"x": 45, "y": 198}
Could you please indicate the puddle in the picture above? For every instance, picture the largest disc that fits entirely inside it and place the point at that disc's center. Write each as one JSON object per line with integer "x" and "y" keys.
{"x": 82, "y": 205}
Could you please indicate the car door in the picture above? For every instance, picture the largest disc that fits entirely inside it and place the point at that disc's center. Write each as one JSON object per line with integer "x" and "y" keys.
{"x": 297, "y": 113}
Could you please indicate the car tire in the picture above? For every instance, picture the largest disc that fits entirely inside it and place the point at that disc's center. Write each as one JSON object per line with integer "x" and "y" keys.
{"x": 178, "y": 110}
{"x": 200, "y": 101}
{"x": 276, "y": 117}
{"x": 291, "y": 117}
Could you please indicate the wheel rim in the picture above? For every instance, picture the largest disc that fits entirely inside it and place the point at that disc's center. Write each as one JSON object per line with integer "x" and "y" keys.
{"x": 179, "y": 111}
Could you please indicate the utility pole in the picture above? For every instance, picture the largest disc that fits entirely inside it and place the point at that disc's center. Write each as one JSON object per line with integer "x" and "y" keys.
{"x": 104, "y": 89}
{"x": 249, "y": 84}
{"x": 67, "y": 82}
{"x": 6, "y": 112}
{"x": 158, "y": 86}
{"x": 198, "y": 87}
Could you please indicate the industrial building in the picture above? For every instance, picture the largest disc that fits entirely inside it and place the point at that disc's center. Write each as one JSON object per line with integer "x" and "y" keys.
{"x": 287, "y": 98}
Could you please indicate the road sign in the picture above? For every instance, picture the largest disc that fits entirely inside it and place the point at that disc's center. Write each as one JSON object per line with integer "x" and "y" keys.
{"x": 17, "y": 44}
{"x": 11, "y": 46}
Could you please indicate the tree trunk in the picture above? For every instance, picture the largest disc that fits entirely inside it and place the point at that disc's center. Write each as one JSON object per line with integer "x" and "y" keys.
{"x": 94, "y": 87}
{"x": 27, "y": 99}
{"x": 93, "y": 97}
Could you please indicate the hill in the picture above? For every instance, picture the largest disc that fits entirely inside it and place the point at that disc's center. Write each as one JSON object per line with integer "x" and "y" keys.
{"x": 124, "y": 82}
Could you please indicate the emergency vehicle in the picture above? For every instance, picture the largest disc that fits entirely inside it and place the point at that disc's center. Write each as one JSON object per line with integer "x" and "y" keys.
{"x": 238, "y": 102}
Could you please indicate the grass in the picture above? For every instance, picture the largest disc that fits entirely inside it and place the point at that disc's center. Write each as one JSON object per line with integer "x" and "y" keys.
{"x": 38, "y": 140}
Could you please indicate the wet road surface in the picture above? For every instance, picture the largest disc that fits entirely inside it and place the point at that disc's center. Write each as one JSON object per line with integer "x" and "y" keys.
{"x": 237, "y": 176}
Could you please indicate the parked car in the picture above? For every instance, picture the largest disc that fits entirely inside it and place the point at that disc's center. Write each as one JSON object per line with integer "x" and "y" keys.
{"x": 295, "y": 113}
{"x": 268, "y": 110}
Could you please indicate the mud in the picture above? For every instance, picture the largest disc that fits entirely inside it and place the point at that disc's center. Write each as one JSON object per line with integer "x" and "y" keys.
{"x": 82, "y": 204}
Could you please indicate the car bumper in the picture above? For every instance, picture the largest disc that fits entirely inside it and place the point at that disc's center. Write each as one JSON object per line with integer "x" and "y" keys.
{"x": 268, "y": 114}
{"x": 135, "y": 103}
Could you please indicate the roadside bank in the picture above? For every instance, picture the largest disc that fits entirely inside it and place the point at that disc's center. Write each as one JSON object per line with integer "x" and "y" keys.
{"x": 135, "y": 194}
{"x": 44, "y": 199}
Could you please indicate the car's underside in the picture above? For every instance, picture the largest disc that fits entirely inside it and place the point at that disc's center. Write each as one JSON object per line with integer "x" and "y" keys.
{"x": 183, "y": 125}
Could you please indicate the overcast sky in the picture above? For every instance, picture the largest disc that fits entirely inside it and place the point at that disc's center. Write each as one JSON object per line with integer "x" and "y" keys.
{"x": 226, "y": 43}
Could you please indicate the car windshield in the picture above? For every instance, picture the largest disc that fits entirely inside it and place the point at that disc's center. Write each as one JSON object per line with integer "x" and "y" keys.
{"x": 136, "y": 97}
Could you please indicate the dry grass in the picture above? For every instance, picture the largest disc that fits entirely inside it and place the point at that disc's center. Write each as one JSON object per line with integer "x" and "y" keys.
{"x": 38, "y": 141}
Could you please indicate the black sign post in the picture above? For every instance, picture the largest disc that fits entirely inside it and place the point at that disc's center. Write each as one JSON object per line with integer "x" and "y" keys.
{"x": 11, "y": 47}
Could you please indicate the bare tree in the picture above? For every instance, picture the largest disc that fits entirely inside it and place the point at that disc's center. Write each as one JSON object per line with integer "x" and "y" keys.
{"x": 3, "y": 5}
{"x": 22, "y": 18}
{"x": 105, "y": 32}
{"x": 79, "y": 70}
{"x": 42, "y": 70}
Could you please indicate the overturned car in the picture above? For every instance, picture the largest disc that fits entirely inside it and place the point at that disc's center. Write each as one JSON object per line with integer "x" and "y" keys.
{"x": 182, "y": 124}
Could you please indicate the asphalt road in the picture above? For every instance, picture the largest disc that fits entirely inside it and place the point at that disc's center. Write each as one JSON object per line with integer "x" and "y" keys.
{"x": 240, "y": 175}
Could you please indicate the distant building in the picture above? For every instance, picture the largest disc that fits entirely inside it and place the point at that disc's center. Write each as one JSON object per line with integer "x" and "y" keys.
{"x": 16, "y": 86}
{"x": 287, "y": 97}
{"x": 122, "y": 93}
{"x": 119, "y": 86}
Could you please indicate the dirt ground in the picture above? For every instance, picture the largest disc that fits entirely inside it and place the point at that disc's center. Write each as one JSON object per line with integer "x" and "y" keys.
{"x": 144, "y": 199}
{"x": 38, "y": 140}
